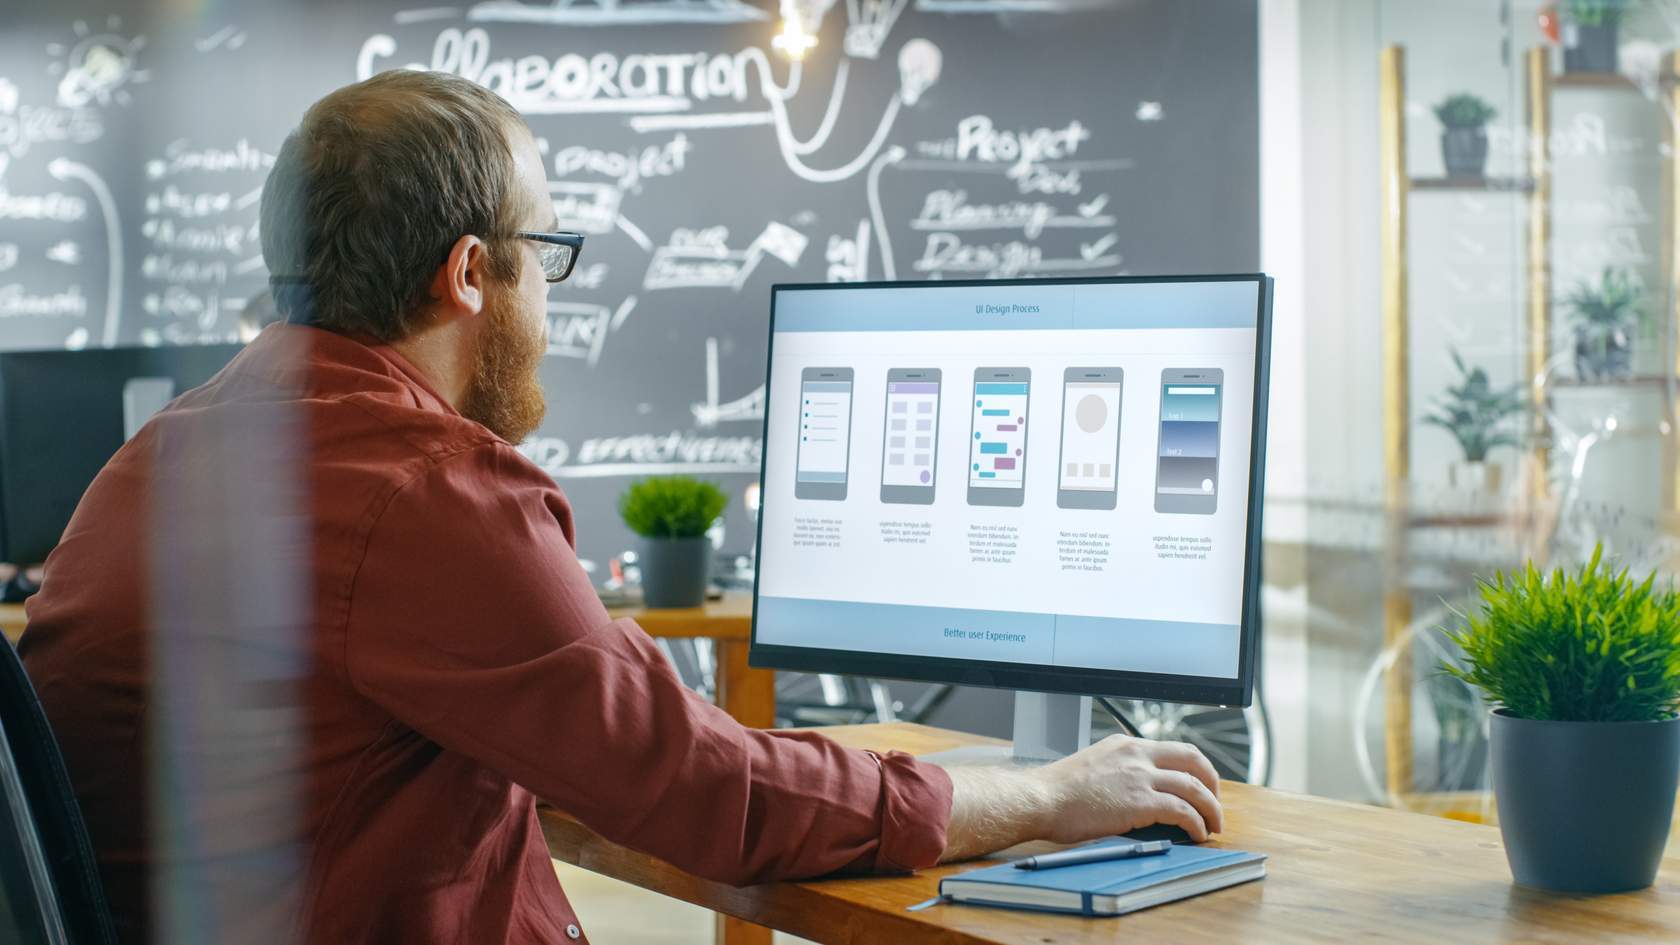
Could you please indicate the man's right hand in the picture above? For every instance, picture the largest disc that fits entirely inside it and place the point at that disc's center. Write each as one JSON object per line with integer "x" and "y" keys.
{"x": 1122, "y": 784}
{"x": 1117, "y": 785}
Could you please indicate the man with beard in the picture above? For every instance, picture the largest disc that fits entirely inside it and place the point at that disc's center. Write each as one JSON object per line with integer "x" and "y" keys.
{"x": 316, "y": 638}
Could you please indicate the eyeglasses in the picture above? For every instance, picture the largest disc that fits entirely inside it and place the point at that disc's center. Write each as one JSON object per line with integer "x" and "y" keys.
{"x": 558, "y": 252}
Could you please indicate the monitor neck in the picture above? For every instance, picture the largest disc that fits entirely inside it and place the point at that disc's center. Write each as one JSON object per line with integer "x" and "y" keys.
{"x": 1047, "y": 726}
{"x": 1050, "y": 725}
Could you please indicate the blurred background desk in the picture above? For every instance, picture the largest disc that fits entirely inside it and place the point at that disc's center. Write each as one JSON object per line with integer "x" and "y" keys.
{"x": 12, "y": 621}
{"x": 747, "y": 694}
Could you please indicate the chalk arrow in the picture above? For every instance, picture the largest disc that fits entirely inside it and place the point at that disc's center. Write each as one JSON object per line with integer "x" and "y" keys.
{"x": 65, "y": 252}
{"x": 872, "y": 190}
{"x": 65, "y": 169}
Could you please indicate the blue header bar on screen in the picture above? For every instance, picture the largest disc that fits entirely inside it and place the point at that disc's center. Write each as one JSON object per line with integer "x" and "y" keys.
{"x": 934, "y": 307}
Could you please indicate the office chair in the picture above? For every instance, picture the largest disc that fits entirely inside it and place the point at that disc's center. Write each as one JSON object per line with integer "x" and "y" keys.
{"x": 40, "y": 814}
{"x": 28, "y": 903}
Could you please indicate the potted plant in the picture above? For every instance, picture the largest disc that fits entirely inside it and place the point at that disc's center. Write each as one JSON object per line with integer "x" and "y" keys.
{"x": 1475, "y": 413}
{"x": 1464, "y": 143}
{"x": 672, "y": 514}
{"x": 1583, "y": 673}
{"x": 1605, "y": 317}
{"x": 1589, "y": 35}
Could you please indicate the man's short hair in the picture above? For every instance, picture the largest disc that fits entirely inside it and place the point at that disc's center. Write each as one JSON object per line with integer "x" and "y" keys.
{"x": 374, "y": 187}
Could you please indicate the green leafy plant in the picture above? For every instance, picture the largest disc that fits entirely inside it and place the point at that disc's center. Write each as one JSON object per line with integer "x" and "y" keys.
{"x": 1464, "y": 111}
{"x": 1597, "y": 12}
{"x": 671, "y": 506}
{"x": 1588, "y": 646}
{"x": 1474, "y": 412}
{"x": 1612, "y": 305}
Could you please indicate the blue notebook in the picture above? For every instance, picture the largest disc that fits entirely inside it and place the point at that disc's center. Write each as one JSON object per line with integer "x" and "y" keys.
{"x": 1115, "y": 887}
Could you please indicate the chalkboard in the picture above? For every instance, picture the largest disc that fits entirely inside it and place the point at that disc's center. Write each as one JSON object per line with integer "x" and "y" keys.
{"x": 920, "y": 139}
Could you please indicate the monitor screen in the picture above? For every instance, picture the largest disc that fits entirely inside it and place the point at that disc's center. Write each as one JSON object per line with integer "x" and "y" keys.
{"x": 1048, "y": 484}
{"x": 103, "y": 395}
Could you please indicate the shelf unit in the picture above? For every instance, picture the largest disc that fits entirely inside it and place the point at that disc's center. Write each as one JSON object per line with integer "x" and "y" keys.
{"x": 1534, "y": 188}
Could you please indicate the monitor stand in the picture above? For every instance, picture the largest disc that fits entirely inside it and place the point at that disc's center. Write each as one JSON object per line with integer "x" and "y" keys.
{"x": 1047, "y": 726}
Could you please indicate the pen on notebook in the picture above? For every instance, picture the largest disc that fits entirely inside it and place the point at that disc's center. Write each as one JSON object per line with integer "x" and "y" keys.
{"x": 1118, "y": 851}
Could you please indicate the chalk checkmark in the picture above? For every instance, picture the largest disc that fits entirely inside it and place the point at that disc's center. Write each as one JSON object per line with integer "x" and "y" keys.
{"x": 1094, "y": 207}
{"x": 1093, "y": 250}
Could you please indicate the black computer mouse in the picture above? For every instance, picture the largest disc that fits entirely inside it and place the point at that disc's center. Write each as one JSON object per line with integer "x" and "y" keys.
{"x": 1171, "y": 832}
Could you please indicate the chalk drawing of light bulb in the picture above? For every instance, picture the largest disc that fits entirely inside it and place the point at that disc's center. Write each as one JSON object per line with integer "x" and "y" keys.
{"x": 918, "y": 69}
{"x": 811, "y": 12}
{"x": 870, "y": 22}
{"x": 98, "y": 68}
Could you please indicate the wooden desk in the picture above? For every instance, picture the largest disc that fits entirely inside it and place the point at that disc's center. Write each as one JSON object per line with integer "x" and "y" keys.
{"x": 12, "y": 621}
{"x": 1338, "y": 873}
{"x": 745, "y": 693}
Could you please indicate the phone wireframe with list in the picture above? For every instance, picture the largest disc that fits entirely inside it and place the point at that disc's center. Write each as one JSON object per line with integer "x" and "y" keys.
{"x": 825, "y": 433}
{"x": 1088, "y": 470}
{"x": 910, "y": 436}
{"x": 1187, "y": 461}
{"x": 997, "y": 464}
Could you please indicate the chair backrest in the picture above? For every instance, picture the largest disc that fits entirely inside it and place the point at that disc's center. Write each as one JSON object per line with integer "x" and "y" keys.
{"x": 48, "y": 804}
{"x": 28, "y": 903}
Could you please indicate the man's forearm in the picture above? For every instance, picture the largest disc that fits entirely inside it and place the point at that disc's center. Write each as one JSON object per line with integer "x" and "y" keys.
{"x": 993, "y": 808}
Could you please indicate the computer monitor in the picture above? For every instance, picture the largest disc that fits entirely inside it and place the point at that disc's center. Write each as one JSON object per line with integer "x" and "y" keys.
{"x": 1046, "y": 485}
{"x": 63, "y": 414}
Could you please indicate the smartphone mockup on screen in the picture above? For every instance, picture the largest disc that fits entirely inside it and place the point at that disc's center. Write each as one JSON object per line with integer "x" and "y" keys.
{"x": 825, "y": 433}
{"x": 997, "y": 458}
{"x": 1187, "y": 470}
{"x": 1089, "y": 467}
{"x": 910, "y": 441}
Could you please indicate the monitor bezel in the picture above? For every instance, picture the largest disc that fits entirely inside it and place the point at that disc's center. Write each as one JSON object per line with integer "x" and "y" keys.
{"x": 1202, "y": 690}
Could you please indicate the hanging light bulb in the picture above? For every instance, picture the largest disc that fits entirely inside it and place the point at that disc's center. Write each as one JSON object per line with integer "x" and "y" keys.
{"x": 793, "y": 40}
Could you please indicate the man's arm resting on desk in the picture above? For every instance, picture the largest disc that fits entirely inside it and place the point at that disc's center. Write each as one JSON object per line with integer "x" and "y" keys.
{"x": 1116, "y": 785}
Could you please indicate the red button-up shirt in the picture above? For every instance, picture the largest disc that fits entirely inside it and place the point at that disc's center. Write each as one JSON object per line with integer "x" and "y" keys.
{"x": 314, "y": 643}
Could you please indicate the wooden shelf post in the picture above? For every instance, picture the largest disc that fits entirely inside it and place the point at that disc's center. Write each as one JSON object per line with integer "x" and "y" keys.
{"x": 1397, "y": 421}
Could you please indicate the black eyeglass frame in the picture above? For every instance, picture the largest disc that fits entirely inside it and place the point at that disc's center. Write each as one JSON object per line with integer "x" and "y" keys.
{"x": 572, "y": 241}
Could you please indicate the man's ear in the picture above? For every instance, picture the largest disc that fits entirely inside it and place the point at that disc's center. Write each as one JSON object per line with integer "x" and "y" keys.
{"x": 458, "y": 284}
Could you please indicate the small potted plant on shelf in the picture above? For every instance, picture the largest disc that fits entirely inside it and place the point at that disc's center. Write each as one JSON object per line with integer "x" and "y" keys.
{"x": 1589, "y": 35}
{"x": 1583, "y": 673}
{"x": 1464, "y": 144}
{"x": 1605, "y": 316}
{"x": 672, "y": 514}
{"x": 1476, "y": 414}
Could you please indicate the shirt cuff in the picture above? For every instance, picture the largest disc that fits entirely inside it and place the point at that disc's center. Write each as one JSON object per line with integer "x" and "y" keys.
{"x": 915, "y": 811}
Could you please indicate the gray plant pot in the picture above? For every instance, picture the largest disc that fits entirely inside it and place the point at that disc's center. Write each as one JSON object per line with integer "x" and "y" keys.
{"x": 1584, "y": 807}
{"x": 1464, "y": 151}
{"x": 1603, "y": 355}
{"x": 674, "y": 571}
{"x": 1590, "y": 48}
